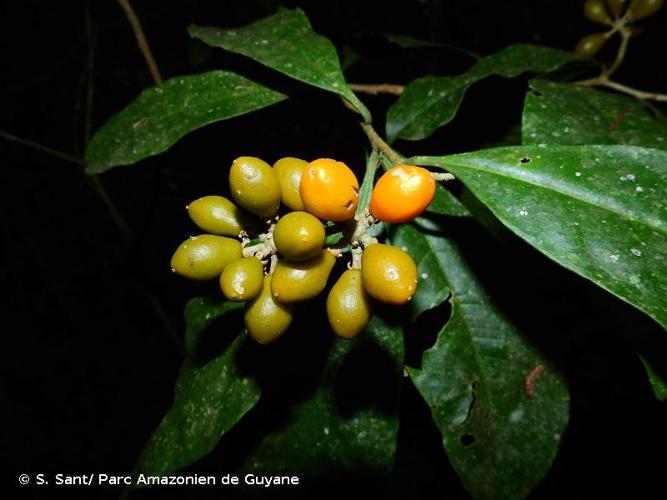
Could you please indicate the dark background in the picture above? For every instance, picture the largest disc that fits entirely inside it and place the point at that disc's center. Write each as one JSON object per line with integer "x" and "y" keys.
{"x": 92, "y": 317}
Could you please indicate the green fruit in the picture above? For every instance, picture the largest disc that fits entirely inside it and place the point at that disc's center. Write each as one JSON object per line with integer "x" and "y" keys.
{"x": 299, "y": 281}
{"x": 590, "y": 45}
{"x": 242, "y": 279}
{"x": 299, "y": 236}
{"x": 388, "y": 273}
{"x": 348, "y": 305}
{"x": 595, "y": 11}
{"x": 289, "y": 172}
{"x": 616, "y": 7}
{"x": 216, "y": 215}
{"x": 204, "y": 257}
{"x": 644, "y": 8}
{"x": 254, "y": 186}
{"x": 266, "y": 319}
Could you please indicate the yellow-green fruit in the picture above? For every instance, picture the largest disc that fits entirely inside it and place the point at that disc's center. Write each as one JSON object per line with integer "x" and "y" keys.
{"x": 289, "y": 172}
{"x": 348, "y": 305}
{"x": 216, "y": 215}
{"x": 254, "y": 186}
{"x": 299, "y": 236}
{"x": 595, "y": 11}
{"x": 266, "y": 319}
{"x": 388, "y": 273}
{"x": 242, "y": 279}
{"x": 590, "y": 45}
{"x": 644, "y": 8}
{"x": 204, "y": 257}
{"x": 616, "y": 7}
{"x": 299, "y": 281}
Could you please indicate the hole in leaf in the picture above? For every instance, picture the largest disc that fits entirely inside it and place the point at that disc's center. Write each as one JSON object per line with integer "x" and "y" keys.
{"x": 468, "y": 439}
{"x": 525, "y": 159}
{"x": 422, "y": 334}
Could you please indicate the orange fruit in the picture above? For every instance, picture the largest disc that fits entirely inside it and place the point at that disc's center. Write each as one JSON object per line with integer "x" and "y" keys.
{"x": 402, "y": 193}
{"x": 329, "y": 190}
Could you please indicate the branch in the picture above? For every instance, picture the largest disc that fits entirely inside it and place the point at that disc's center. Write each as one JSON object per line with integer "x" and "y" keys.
{"x": 604, "y": 78}
{"x": 379, "y": 144}
{"x": 44, "y": 149}
{"x": 377, "y": 88}
{"x": 620, "y": 54}
{"x": 95, "y": 183}
{"x": 639, "y": 94}
{"x": 142, "y": 42}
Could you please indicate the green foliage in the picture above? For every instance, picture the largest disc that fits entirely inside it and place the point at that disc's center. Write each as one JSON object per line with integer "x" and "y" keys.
{"x": 562, "y": 113}
{"x": 658, "y": 382}
{"x": 597, "y": 210}
{"x": 209, "y": 397}
{"x": 587, "y": 189}
{"x": 162, "y": 115}
{"x": 286, "y": 42}
{"x": 432, "y": 265}
{"x": 445, "y": 203}
{"x": 500, "y": 436}
{"x": 432, "y": 101}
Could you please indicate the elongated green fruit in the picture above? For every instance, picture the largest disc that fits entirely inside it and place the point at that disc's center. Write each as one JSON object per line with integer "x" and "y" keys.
{"x": 265, "y": 318}
{"x": 590, "y": 45}
{"x": 254, "y": 186}
{"x": 388, "y": 273}
{"x": 289, "y": 172}
{"x": 348, "y": 305}
{"x": 595, "y": 11}
{"x": 644, "y": 8}
{"x": 300, "y": 281}
{"x": 204, "y": 257}
{"x": 242, "y": 279}
{"x": 216, "y": 215}
{"x": 299, "y": 236}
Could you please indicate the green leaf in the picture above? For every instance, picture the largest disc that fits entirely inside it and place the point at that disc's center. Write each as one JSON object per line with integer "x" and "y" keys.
{"x": 433, "y": 288}
{"x": 563, "y": 113}
{"x": 445, "y": 203}
{"x": 597, "y": 210}
{"x": 658, "y": 383}
{"x": 432, "y": 101}
{"x": 321, "y": 433}
{"x": 287, "y": 43}
{"x": 160, "y": 116}
{"x": 500, "y": 435}
{"x": 209, "y": 397}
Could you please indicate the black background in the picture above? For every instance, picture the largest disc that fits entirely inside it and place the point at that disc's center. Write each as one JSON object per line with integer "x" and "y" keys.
{"x": 92, "y": 320}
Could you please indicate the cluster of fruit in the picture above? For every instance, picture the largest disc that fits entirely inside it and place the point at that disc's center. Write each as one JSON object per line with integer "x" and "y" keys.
{"x": 291, "y": 261}
{"x": 615, "y": 13}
